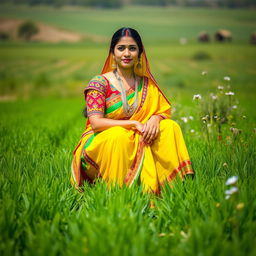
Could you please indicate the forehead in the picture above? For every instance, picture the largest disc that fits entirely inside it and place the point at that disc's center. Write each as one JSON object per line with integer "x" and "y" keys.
{"x": 126, "y": 40}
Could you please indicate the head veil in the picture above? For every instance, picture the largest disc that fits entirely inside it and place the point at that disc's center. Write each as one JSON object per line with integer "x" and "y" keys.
{"x": 144, "y": 70}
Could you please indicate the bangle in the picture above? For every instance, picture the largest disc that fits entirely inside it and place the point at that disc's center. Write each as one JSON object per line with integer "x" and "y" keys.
{"x": 161, "y": 117}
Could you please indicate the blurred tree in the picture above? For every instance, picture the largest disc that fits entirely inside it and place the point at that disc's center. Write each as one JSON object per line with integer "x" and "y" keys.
{"x": 120, "y": 3}
{"x": 4, "y": 36}
{"x": 27, "y": 29}
{"x": 150, "y": 2}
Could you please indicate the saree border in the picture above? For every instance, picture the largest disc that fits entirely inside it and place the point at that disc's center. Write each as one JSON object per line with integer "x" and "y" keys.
{"x": 115, "y": 102}
{"x": 86, "y": 133}
{"x": 144, "y": 94}
{"x": 78, "y": 175}
{"x": 136, "y": 167}
{"x": 90, "y": 161}
{"x": 87, "y": 159}
{"x": 183, "y": 169}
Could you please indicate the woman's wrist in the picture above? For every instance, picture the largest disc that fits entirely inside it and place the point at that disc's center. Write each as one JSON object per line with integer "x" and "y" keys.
{"x": 159, "y": 117}
{"x": 133, "y": 123}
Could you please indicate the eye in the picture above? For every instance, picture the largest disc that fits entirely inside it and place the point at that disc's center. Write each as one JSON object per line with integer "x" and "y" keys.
{"x": 133, "y": 48}
{"x": 120, "y": 48}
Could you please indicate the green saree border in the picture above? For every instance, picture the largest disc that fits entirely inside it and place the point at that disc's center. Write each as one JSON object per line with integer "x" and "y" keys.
{"x": 119, "y": 104}
{"x": 84, "y": 155}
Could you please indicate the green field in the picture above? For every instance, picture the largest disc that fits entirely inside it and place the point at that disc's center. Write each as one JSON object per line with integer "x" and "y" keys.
{"x": 41, "y": 103}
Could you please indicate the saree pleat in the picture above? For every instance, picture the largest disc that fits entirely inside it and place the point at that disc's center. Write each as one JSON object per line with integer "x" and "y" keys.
{"x": 118, "y": 155}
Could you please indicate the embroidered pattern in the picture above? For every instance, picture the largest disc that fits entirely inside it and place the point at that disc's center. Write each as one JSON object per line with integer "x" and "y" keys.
{"x": 97, "y": 83}
{"x": 95, "y": 102}
{"x": 144, "y": 94}
{"x": 90, "y": 161}
{"x": 183, "y": 169}
{"x": 84, "y": 134}
{"x": 136, "y": 166}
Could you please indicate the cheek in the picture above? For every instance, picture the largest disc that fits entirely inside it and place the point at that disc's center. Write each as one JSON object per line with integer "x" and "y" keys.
{"x": 136, "y": 54}
{"x": 117, "y": 55}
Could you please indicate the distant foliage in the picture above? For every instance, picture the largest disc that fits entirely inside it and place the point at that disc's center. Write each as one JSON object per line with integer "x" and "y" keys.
{"x": 4, "y": 36}
{"x": 201, "y": 55}
{"x": 27, "y": 29}
{"x": 120, "y": 3}
{"x": 90, "y": 3}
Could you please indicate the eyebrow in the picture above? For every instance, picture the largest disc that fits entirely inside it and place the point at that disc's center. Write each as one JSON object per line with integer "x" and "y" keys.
{"x": 126, "y": 44}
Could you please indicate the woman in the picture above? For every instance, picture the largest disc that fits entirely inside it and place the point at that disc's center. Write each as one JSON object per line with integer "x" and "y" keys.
{"x": 129, "y": 136}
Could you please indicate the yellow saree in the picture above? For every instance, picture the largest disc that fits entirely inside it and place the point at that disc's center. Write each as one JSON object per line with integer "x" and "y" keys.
{"x": 118, "y": 155}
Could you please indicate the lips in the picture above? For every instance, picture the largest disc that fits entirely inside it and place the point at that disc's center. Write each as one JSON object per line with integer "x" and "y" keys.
{"x": 127, "y": 60}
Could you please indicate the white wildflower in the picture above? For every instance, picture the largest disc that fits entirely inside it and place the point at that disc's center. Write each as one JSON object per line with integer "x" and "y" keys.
{"x": 204, "y": 73}
{"x": 220, "y": 87}
{"x": 227, "y": 197}
{"x": 205, "y": 118}
{"x": 184, "y": 119}
{"x": 184, "y": 235}
{"x": 230, "y": 93}
{"x": 227, "y": 78}
{"x": 231, "y": 191}
{"x": 234, "y": 107}
{"x": 208, "y": 125}
{"x": 214, "y": 97}
{"x": 192, "y": 130}
{"x": 235, "y": 130}
{"x": 232, "y": 180}
{"x": 183, "y": 40}
{"x": 197, "y": 97}
{"x": 191, "y": 117}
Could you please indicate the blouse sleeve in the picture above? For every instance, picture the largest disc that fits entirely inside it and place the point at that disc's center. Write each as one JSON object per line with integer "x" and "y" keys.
{"x": 95, "y": 95}
{"x": 95, "y": 102}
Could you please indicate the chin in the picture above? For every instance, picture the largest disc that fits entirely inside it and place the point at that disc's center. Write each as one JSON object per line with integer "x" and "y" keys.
{"x": 127, "y": 66}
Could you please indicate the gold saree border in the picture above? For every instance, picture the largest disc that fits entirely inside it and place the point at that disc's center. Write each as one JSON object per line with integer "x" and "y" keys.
{"x": 136, "y": 166}
{"x": 144, "y": 94}
{"x": 183, "y": 169}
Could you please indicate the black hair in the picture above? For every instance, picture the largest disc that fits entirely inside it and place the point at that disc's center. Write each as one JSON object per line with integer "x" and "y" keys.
{"x": 126, "y": 32}
{"x": 115, "y": 39}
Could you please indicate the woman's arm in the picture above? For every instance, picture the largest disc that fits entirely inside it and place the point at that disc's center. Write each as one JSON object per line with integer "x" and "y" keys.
{"x": 100, "y": 123}
{"x": 95, "y": 111}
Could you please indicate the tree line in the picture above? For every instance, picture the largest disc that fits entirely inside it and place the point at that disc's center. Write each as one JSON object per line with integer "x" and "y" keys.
{"x": 121, "y": 3}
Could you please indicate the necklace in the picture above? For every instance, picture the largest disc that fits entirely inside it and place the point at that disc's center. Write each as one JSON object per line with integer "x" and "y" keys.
{"x": 128, "y": 109}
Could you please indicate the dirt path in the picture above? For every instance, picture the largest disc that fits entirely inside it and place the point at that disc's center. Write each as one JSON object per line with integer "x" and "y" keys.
{"x": 46, "y": 33}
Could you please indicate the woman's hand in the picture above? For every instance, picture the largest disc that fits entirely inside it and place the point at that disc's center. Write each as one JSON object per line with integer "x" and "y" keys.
{"x": 151, "y": 129}
{"x": 138, "y": 126}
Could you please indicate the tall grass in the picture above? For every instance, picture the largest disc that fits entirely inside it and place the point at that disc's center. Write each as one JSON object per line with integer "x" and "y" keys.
{"x": 42, "y": 214}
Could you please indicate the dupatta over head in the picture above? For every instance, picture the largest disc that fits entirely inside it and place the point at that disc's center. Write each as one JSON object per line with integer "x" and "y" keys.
{"x": 144, "y": 70}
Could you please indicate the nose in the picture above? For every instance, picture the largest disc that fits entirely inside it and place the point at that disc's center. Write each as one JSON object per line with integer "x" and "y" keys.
{"x": 126, "y": 52}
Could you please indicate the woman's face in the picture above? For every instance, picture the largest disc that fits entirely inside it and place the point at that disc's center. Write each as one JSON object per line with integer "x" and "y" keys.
{"x": 126, "y": 52}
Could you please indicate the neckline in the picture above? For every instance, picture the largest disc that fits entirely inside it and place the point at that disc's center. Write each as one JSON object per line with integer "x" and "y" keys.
{"x": 142, "y": 79}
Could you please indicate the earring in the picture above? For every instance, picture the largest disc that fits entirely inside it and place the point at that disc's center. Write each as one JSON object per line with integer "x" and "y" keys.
{"x": 138, "y": 64}
{"x": 113, "y": 63}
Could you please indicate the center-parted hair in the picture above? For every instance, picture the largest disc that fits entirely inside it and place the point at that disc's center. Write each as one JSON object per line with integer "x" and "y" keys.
{"x": 126, "y": 32}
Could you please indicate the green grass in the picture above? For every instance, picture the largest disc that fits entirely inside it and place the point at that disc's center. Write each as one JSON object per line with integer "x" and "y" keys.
{"x": 64, "y": 70}
{"x": 41, "y": 214}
